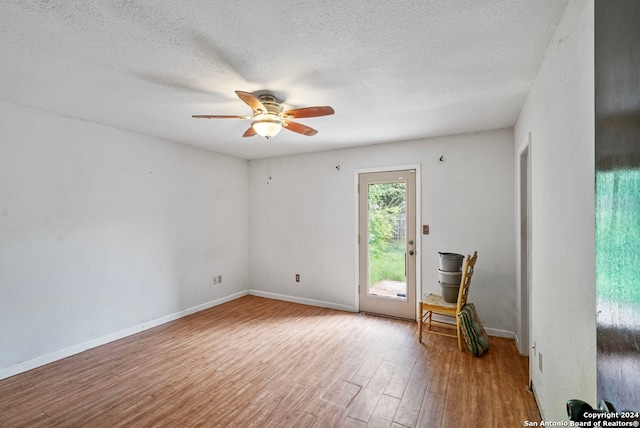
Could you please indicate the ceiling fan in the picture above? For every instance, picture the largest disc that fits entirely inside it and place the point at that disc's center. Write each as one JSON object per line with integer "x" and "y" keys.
{"x": 268, "y": 118}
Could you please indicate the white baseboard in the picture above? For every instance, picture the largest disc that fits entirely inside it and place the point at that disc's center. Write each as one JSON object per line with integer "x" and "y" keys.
{"x": 84, "y": 346}
{"x": 519, "y": 344}
{"x": 302, "y": 300}
{"x": 535, "y": 396}
{"x": 495, "y": 332}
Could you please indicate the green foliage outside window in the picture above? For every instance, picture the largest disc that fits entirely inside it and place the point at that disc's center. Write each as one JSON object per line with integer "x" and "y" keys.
{"x": 386, "y": 247}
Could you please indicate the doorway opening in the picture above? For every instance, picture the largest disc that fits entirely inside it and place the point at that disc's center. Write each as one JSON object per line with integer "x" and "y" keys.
{"x": 524, "y": 313}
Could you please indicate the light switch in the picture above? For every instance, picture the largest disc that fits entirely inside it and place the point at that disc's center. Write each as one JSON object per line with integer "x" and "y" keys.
{"x": 425, "y": 229}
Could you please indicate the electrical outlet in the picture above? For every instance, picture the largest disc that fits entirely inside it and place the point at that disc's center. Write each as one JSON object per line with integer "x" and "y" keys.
{"x": 540, "y": 361}
{"x": 425, "y": 229}
{"x": 297, "y": 277}
{"x": 219, "y": 279}
{"x": 215, "y": 280}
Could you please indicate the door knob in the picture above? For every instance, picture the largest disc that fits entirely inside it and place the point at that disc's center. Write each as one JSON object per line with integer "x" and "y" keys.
{"x": 411, "y": 253}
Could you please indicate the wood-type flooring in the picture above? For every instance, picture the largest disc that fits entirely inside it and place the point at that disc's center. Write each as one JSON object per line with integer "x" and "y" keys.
{"x": 257, "y": 362}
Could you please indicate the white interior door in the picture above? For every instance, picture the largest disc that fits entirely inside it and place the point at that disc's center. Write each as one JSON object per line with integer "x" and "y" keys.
{"x": 387, "y": 243}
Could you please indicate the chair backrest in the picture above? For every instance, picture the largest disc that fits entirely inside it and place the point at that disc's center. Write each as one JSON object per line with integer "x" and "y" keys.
{"x": 465, "y": 281}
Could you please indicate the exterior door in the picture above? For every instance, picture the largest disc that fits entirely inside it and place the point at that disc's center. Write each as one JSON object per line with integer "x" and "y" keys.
{"x": 387, "y": 243}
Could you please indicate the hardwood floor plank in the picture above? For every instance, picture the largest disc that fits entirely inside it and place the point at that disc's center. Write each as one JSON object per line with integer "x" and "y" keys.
{"x": 352, "y": 423}
{"x": 267, "y": 363}
{"x": 400, "y": 377}
{"x": 432, "y": 411}
{"x": 382, "y": 376}
{"x": 364, "y": 405}
{"x": 384, "y": 413}
{"x": 341, "y": 392}
{"x": 411, "y": 401}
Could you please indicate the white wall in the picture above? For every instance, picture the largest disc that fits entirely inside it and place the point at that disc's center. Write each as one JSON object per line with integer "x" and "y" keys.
{"x": 559, "y": 113}
{"x": 303, "y": 219}
{"x": 104, "y": 233}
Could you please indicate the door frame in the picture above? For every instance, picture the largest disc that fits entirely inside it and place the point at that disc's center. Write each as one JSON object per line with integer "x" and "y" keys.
{"x": 524, "y": 246}
{"x": 356, "y": 223}
{"x": 524, "y": 271}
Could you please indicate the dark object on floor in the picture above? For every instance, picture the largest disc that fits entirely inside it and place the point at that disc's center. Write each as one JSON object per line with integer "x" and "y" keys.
{"x": 580, "y": 411}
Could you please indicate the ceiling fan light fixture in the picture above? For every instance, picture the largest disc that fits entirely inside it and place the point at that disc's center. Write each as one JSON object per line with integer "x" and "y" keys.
{"x": 268, "y": 118}
{"x": 267, "y": 127}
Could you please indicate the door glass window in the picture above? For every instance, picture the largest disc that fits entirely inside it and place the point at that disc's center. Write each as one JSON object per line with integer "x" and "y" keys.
{"x": 387, "y": 240}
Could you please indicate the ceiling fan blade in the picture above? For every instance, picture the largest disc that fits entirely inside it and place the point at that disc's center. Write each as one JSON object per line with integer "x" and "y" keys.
{"x": 251, "y": 101}
{"x": 218, "y": 116}
{"x": 300, "y": 128}
{"x": 309, "y": 112}
{"x": 249, "y": 132}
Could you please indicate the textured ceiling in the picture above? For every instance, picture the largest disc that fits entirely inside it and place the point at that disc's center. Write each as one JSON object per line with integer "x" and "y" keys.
{"x": 393, "y": 70}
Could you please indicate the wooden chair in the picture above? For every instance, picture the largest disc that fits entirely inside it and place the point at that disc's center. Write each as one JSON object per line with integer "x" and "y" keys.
{"x": 434, "y": 304}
